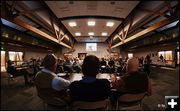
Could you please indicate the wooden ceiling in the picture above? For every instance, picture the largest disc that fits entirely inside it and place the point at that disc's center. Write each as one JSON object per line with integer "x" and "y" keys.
{"x": 99, "y": 11}
{"x": 49, "y": 19}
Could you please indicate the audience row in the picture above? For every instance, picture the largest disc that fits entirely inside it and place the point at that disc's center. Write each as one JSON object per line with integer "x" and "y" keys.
{"x": 50, "y": 86}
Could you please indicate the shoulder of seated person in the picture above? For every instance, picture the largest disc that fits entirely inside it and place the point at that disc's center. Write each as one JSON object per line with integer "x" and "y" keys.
{"x": 103, "y": 80}
{"x": 74, "y": 83}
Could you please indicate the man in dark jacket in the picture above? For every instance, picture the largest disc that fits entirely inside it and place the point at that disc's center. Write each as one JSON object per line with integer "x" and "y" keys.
{"x": 90, "y": 88}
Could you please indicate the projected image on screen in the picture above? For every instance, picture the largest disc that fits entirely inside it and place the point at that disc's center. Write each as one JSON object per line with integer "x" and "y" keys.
{"x": 91, "y": 47}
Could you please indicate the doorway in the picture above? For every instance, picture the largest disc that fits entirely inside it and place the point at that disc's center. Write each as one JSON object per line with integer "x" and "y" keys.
{"x": 3, "y": 61}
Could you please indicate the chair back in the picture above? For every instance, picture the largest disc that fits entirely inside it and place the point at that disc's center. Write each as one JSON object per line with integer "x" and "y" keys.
{"x": 103, "y": 104}
{"x": 130, "y": 101}
{"x": 131, "y": 97}
{"x": 55, "y": 101}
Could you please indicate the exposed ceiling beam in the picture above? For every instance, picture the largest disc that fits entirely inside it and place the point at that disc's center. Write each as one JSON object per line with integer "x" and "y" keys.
{"x": 64, "y": 44}
{"x": 62, "y": 37}
{"x": 168, "y": 4}
{"x": 31, "y": 11}
{"x": 155, "y": 12}
{"x": 129, "y": 27}
{"x": 58, "y": 34}
{"x": 110, "y": 42}
{"x": 120, "y": 25}
{"x": 13, "y": 5}
{"x": 120, "y": 36}
{"x": 60, "y": 24}
{"x": 34, "y": 16}
{"x": 53, "y": 27}
{"x": 91, "y": 16}
{"x": 34, "y": 29}
{"x": 71, "y": 42}
{"x": 145, "y": 31}
{"x": 147, "y": 19}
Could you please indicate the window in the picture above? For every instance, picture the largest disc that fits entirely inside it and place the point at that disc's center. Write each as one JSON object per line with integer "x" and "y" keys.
{"x": 3, "y": 68}
{"x": 130, "y": 55}
{"x": 91, "y": 46}
{"x": 17, "y": 57}
{"x": 167, "y": 55}
{"x": 12, "y": 55}
{"x": 178, "y": 57}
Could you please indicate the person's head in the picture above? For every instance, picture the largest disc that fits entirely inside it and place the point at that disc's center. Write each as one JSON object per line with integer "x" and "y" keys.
{"x": 50, "y": 62}
{"x": 102, "y": 59}
{"x": 90, "y": 66}
{"x": 132, "y": 64}
{"x": 9, "y": 62}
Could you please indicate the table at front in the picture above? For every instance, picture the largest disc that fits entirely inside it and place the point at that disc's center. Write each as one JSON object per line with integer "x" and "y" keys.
{"x": 78, "y": 76}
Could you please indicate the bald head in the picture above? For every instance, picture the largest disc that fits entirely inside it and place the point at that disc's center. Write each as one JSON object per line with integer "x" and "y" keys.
{"x": 132, "y": 64}
{"x": 50, "y": 62}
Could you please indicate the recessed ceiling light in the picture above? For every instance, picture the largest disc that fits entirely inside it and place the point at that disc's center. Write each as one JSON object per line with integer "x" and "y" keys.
{"x": 104, "y": 33}
{"x": 91, "y": 23}
{"x": 78, "y": 34}
{"x": 91, "y": 33}
{"x": 72, "y": 24}
{"x": 110, "y": 24}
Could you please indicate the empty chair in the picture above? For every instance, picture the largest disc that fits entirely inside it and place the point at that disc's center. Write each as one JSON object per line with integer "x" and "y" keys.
{"x": 130, "y": 101}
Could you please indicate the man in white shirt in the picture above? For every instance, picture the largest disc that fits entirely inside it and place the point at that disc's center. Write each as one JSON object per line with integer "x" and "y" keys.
{"x": 49, "y": 86}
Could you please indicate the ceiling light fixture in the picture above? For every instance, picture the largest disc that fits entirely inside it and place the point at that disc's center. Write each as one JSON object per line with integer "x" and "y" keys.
{"x": 72, "y": 24}
{"x": 78, "y": 34}
{"x": 91, "y": 23}
{"x": 91, "y": 33}
{"x": 110, "y": 24}
{"x": 104, "y": 33}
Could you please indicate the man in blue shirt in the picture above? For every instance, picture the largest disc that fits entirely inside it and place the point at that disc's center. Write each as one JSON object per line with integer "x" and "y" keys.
{"x": 49, "y": 86}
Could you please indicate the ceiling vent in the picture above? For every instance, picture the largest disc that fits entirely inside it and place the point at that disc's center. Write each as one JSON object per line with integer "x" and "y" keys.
{"x": 118, "y": 9}
{"x": 71, "y": 2}
{"x": 64, "y": 9}
{"x": 112, "y": 3}
{"x": 92, "y": 5}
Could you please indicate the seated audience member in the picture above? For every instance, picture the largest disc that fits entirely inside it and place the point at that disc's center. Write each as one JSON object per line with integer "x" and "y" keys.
{"x": 10, "y": 68}
{"x": 76, "y": 66}
{"x": 133, "y": 81}
{"x": 111, "y": 65}
{"x": 90, "y": 88}
{"x": 14, "y": 73}
{"x": 147, "y": 66}
{"x": 48, "y": 85}
{"x": 103, "y": 65}
{"x": 60, "y": 66}
{"x": 68, "y": 66}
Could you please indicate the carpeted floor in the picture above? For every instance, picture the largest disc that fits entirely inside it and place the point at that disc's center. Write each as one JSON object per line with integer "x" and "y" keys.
{"x": 16, "y": 96}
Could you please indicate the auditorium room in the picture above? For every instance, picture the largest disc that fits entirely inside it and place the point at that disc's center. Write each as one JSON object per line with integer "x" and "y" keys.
{"x": 90, "y": 55}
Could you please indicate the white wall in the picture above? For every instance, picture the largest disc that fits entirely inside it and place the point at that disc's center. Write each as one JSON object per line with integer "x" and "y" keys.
{"x": 28, "y": 55}
{"x": 154, "y": 49}
{"x": 101, "y": 50}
